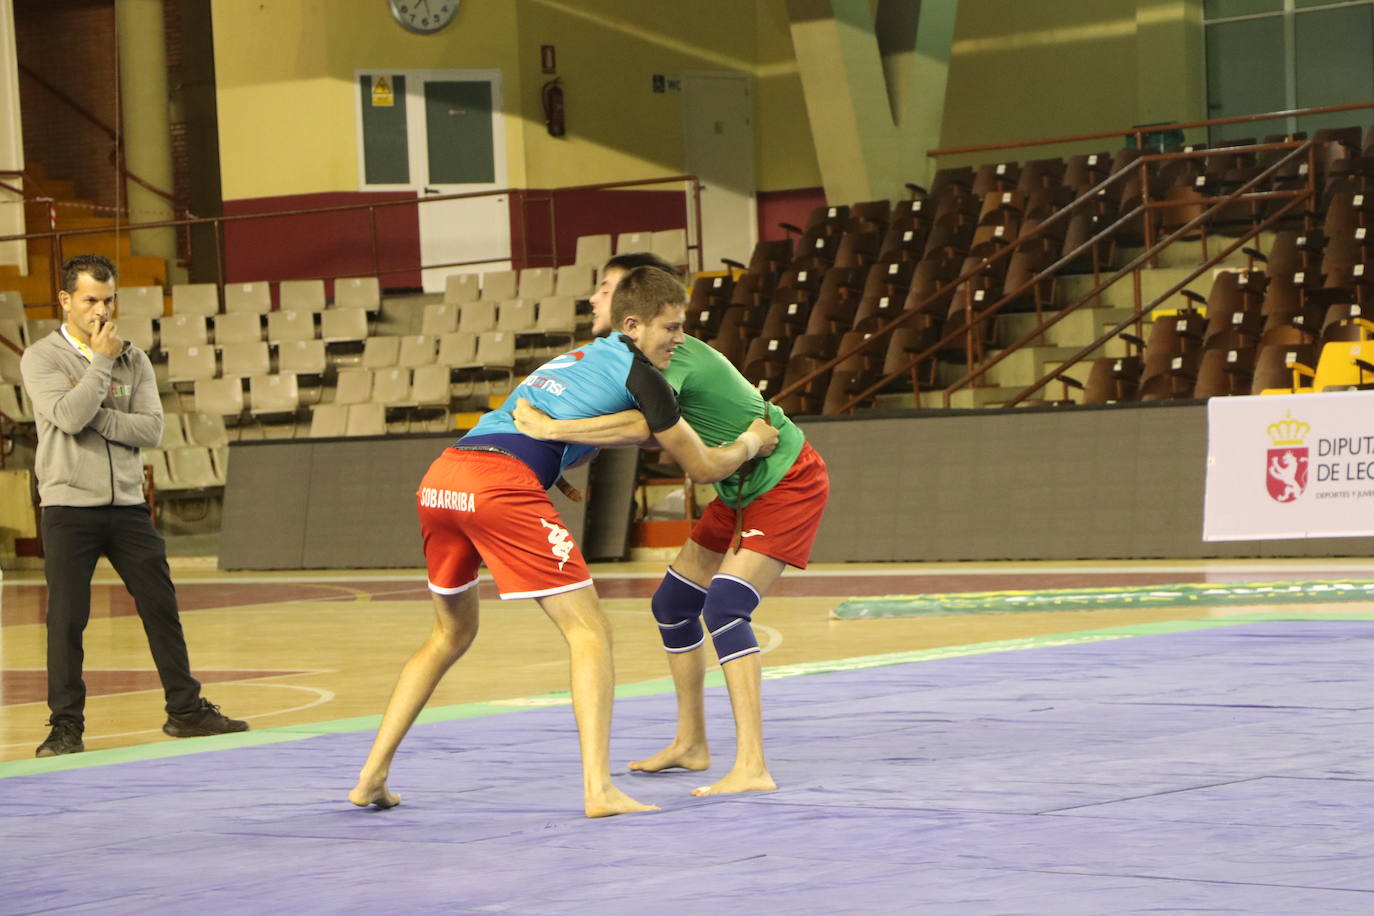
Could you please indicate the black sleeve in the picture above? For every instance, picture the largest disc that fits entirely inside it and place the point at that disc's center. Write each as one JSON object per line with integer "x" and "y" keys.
{"x": 655, "y": 396}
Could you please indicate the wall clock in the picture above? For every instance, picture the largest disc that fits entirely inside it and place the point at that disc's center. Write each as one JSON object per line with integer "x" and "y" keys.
{"x": 424, "y": 17}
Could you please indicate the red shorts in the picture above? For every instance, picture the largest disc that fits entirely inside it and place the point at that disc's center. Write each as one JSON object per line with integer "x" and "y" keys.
{"x": 781, "y": 523}
{"x": 487, "y": 507}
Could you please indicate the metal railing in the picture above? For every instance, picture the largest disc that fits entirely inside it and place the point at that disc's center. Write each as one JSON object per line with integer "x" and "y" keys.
{"x": 1154, "y": 248}
{"x": 975, "y": 321}
{"x": 57, "y": 239}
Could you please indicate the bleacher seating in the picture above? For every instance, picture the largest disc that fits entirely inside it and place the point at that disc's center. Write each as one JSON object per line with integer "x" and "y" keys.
{"x": 1290, "y": 319}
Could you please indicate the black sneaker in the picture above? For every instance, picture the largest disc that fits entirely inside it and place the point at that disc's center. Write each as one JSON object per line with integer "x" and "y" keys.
{"x": 65, "y": 738}
{"x": 205, "y": 719}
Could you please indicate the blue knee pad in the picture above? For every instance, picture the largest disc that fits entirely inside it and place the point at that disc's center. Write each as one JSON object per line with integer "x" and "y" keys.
{"x": 729, "y": 603}
{"x": 677, "y": 608}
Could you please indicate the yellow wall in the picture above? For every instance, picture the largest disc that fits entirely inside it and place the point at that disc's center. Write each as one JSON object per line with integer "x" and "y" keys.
{"x": 285, "y": 75}
{"x": 286, "y": 81}
{"x": 1020, "y": 71}
{"x": 787, "y": 152}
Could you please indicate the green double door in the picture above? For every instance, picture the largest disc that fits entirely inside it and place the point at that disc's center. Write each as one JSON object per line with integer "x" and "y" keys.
{"x": 440, "y": 133}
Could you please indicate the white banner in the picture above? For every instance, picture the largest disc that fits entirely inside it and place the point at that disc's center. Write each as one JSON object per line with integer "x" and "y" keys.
{"x": 1290, "y": 466}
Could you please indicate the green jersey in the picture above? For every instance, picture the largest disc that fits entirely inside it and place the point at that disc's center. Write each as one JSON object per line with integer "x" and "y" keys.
{"x": 719, "y": 404}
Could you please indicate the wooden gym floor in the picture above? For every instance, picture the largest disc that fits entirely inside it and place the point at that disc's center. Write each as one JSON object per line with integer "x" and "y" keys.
{"x": 314, "y": 647}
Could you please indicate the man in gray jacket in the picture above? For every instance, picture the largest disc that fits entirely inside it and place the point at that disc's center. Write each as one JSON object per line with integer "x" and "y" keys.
{"x": 96, "y": 404}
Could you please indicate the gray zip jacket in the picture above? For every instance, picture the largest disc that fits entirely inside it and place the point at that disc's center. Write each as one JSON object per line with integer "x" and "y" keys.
{"x": 92, "y": 417}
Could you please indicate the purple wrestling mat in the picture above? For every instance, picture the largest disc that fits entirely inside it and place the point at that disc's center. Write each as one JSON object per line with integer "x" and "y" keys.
{"x": 1218, "y": 770}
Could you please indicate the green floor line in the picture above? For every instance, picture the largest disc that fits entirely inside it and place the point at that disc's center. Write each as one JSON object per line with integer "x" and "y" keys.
{"x": 715, "y": 678}
{"x": 1190, "y": 594}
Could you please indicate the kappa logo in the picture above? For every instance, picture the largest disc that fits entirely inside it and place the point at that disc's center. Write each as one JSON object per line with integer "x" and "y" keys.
{"x": 1286, "y": 463}
{"x": 560, "y": 541}
{"x": 751, "y": 533}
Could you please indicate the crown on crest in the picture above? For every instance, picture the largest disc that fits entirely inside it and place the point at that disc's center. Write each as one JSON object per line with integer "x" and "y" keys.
{"x": 1288, "y": 431}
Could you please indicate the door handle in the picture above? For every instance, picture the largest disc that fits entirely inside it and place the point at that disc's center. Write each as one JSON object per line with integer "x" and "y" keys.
{"x": 431, "y": 190}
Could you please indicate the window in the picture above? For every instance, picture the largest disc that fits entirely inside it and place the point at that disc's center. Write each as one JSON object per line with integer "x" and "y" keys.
{"x": 1271, "y": 55}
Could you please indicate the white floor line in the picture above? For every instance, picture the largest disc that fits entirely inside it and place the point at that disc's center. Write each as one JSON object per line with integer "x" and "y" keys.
{"x": 322, "y": 697}
{"x": 1011, "y": 568}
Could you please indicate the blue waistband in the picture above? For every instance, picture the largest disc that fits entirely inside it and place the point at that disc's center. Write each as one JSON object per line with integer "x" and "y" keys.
{"x": 543, "y": 457}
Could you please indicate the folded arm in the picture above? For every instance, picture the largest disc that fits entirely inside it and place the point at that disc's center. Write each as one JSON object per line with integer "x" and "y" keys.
{"x": 141, "y": 425}
{"x": 628, "y": 427}
{"x": 702, "y": 463}
{"x": 70, "y": 403}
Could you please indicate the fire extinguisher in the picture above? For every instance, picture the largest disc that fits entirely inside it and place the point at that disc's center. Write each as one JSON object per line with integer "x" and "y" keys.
{"x": 553, "y": 107}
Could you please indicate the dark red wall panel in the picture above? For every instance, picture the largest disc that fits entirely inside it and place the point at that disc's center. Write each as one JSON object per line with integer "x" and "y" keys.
{"x": 289, "y": 247}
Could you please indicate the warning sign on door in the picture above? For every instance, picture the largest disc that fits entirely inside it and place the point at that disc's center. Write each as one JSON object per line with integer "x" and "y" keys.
{"x": 382, "y": 96}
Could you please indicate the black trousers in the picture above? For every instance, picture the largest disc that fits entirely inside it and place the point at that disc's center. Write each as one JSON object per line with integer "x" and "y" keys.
{"x": 73, "y": 540}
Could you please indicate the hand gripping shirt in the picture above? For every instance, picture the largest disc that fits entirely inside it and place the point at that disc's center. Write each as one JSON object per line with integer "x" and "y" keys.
{"x": 606, "y": 376}
{"x": 719, "y": 404}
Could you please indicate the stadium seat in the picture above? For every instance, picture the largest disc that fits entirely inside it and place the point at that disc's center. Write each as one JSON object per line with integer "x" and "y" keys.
{"x": 246, "y": 297}
{"x": 205, "y": 429}
{"x": 380, "y": 352}
{"x": 478, "y": 317}
{"x": 302, "y": 357}
{"x": 328, "y": 421}
{"x": 14, "y": 403}
{"x": 195, "y": 299}
{"x": 138, "y": 330}
{"x": 182, "y": 331}
{"x": 535, "y": 283}
{"x": 460, "y": 288}
{"x": 416, "y": 350}
{"x": 671, "y": 246}
{"x": 301, "y": 295}
{"x": 237, "y": 327}
{"x": 593, "y": 249}
{"x": 173, "y": 433}
{"x": 367, "y": 419}
{"x": 358, "y": 293}
{"x": 353, "y": 386}
{"x": 1283, "y": 369}
{"x": 241, "y": 360}
{"x": 576, "y": 280}
{"x": 135, "y": 301}
{"x": 439, "y": 319}
{"x": 291, "y": 325}
{"x": 1345, "y": 365}
{"x": 275, "y": 396}
{"x": 457, "y": 349}
{"x": 498, "y": 285}
{"x": 391, "y": 387}
{"x": 517, "y": 316}
{"x": 187, "y": 364}
{"x": 343, "y": 325}
{"x": 222, "y": 397}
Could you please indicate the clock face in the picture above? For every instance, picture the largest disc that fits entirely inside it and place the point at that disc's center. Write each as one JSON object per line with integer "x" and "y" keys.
{"x": 423, "y": 16}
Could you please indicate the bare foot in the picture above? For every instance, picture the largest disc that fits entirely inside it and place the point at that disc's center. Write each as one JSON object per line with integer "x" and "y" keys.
{"x": 684, "y": 756}
{"x": 737, "y": 781}
{"x": 612, "y": 802}
{"x": 365, "y": 793}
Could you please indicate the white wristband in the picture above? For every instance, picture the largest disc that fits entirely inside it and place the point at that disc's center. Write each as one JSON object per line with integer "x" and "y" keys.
{"x": 752, "y": 441}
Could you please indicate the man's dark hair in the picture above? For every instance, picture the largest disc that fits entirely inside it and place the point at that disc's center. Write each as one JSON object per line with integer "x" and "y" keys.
{"x": 644, "y": 292}
{"x": 630, "y": 260}
{"x": 97, "y": 266}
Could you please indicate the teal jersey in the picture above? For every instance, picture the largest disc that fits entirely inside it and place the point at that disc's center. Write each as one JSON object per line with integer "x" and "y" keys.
{"x": 719, "y": 404}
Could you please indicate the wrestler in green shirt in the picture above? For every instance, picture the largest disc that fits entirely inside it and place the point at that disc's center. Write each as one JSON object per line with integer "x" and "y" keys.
{"x": 719, "y": 404}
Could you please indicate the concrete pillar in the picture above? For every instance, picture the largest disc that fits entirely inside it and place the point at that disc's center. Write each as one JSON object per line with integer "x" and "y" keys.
{"x": 846, "y": 93}
{"x": 145, "y": 121}
{"x": 11, "y": 143}
{"x": 874, "y": 80}
{"x": 925, "y": 108}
